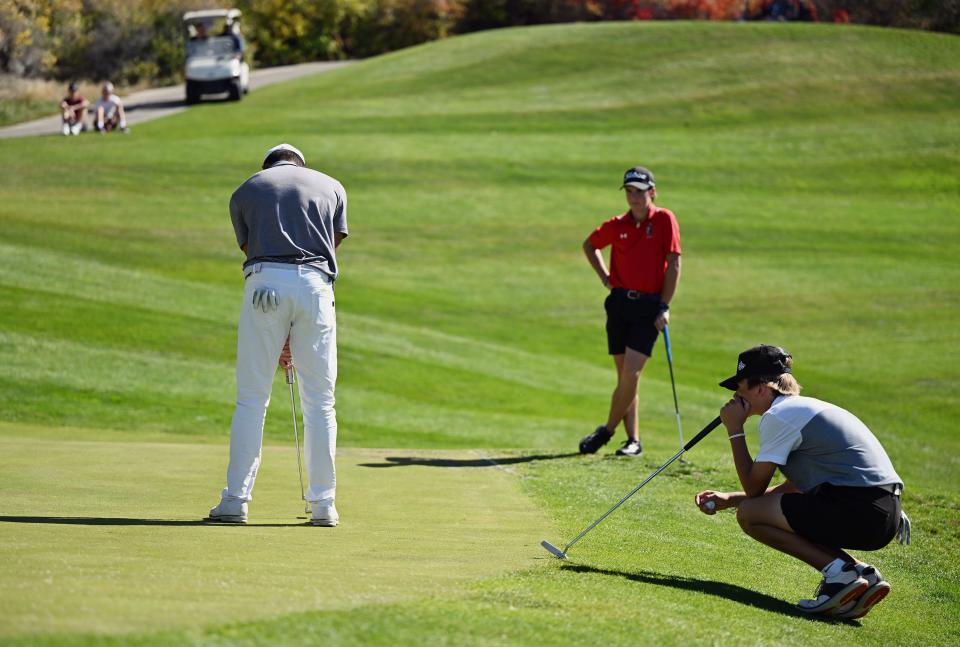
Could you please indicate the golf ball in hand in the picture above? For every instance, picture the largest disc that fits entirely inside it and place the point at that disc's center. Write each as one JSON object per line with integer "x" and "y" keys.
{"x": 710, "y": 505}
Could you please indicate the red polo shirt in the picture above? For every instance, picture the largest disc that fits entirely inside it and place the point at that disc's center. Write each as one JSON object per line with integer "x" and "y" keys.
{"x": 639, "y": 257}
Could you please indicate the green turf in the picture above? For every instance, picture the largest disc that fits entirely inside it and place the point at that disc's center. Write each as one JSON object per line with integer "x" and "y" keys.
{"x": 128, "y": 553}
{"x": 813, "y": 169}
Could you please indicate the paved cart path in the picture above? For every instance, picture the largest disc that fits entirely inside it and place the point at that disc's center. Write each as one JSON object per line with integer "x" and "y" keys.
{"x": 160, "y": 102}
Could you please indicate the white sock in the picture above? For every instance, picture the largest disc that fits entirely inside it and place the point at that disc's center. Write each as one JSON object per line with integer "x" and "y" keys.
{"x": 66, "y": 128}
{"x": 833, "y": 568}
{"x": 123, "y": 124}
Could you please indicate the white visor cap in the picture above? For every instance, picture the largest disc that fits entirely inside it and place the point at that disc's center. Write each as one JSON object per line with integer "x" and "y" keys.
{"x": 285, "y": 147}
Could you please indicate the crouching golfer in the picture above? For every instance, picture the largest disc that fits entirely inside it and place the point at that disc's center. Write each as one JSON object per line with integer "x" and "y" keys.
{"x": 643, "y": 277}
{"x": 841, "y": 490}
{"x": 289, "y": 221}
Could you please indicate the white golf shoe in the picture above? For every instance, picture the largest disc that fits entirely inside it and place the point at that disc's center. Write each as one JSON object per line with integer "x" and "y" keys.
{"x": 229, "y": 511}
{"x": 837, "y": 589}
{"x": 324, "y": 514}
{"x": 877, "y": 590}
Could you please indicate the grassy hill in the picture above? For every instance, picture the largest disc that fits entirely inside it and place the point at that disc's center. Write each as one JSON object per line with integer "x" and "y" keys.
{"x": 813, "y": 170}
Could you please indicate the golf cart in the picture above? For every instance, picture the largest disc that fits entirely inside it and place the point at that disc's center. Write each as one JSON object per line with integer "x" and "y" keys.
{"x": 215, "y": 55}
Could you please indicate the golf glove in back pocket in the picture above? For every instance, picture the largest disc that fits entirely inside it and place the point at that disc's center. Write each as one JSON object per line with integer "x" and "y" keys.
{"x": 903, "y": 532}
{"x": 265, "y": 299}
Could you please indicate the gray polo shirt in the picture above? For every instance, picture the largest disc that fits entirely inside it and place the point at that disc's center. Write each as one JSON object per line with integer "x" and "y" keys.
{"x": 289, "y": 214}
{"x": 816, "y": 442}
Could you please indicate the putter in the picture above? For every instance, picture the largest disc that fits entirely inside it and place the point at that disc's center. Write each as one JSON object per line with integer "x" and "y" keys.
{"x": 296, "y": 439}
{"x": 562, "y": 554}
{"x": 673, "y": 384}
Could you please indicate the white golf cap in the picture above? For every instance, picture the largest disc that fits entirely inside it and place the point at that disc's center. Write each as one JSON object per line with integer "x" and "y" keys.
{"x": 285, "y": 147}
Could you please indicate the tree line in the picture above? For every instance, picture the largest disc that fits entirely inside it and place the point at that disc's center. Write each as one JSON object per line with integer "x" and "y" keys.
{"x": 136, "y": 41}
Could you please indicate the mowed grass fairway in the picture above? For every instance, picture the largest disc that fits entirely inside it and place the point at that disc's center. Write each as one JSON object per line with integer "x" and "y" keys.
{"x": 814, "y": 171}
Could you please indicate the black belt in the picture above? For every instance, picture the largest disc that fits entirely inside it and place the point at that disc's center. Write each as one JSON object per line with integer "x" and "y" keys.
{"x": 890, "y": 488}
{"x": 636, "y": 295}
{"x": 893, "y": 488}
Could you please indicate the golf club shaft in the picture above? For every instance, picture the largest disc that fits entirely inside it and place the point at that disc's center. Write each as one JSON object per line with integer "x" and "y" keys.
{"x": 673, "y": 384}
{"x": 296, "y": 439}
{"x": 622, "y": 501}
{"x": 696, "y": 439}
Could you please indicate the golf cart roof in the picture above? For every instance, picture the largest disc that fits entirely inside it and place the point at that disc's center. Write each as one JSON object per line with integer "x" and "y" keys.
{"x": 208, "y": 14}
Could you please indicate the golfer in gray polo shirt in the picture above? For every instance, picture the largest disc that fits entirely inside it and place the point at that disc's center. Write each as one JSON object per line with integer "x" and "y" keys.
{"x": 841, "y": 490}
{"x": 289, "y": 221}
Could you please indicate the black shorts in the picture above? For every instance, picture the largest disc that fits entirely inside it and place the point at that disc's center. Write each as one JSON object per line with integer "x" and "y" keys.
{"x": 862, "y": 518}
{"x": 630, "y": 322}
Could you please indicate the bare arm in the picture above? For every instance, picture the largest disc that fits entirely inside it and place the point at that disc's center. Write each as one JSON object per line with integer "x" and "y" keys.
{"x": 338, "y": 237}
{"x": 787, "y": 487}
{"x": 671, "y": 278}
{"x": 595, "y": 258}
{"x": 723, "y": 500}
{"x": 754, "y": 476}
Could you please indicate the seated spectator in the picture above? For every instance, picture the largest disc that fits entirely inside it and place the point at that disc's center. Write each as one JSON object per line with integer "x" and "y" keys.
{"x": 73, "y": 109}
{"x": 109, "y": 111}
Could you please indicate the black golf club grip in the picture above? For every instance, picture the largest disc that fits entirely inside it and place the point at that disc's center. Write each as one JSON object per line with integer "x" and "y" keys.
{"x": 713, "y": 424}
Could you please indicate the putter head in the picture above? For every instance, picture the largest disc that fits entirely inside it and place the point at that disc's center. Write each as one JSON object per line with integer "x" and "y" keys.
{"x": 553, "y": 550}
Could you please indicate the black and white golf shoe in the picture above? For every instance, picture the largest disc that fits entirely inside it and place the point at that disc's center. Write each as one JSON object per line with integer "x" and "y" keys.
{"x": 592, "y": 442}
{"x": 630, "y": 448}
{"x": 836, "y": 591}
{"x": 877, "y": 590}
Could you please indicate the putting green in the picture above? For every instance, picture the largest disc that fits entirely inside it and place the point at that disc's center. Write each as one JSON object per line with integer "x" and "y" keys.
{"x": 103, "y": 537}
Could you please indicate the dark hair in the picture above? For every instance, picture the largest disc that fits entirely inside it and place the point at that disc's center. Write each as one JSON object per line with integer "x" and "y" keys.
{"x": 282, "y": 156}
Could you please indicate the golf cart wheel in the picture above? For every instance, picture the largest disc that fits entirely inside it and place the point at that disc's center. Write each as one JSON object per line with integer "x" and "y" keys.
{"x": 193, "y": 94}
{"x": 236, "y": 93}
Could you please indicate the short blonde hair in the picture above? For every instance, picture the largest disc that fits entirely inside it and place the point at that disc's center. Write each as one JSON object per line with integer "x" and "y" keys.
{"x": 786, "y": 384}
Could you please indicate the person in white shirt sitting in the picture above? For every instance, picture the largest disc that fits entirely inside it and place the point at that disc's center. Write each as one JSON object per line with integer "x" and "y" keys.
{"x": 108, "y": 111}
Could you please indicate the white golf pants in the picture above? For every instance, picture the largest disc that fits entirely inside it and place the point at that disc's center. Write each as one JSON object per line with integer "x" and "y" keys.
{"x": 305, "y": 312}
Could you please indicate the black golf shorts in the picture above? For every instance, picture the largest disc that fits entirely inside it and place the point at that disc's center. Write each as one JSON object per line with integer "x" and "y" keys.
{"x": 861, "y": 518}
{"x": 630, "y": 322}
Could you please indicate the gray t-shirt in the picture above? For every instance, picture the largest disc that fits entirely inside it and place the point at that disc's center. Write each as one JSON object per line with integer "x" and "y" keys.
{"x": 289, "y": 214}
{"x": 816, "y": 442}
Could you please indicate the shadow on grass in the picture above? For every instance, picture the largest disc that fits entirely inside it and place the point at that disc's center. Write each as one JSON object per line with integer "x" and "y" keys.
{"x": 719, "y": 589}
{"x": 402, "y": 461}
{"x": 123, "y": 521}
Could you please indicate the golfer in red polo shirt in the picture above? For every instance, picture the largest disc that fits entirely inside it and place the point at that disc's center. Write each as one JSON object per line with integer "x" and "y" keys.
{"x": 643, "y": 277}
